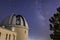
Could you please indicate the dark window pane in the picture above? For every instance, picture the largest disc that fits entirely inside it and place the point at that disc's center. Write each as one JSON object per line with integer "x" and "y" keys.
{"x": 0, "y": 34}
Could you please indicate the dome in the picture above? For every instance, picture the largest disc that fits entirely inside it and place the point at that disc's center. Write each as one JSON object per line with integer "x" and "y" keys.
{"x": 14, "y": 20}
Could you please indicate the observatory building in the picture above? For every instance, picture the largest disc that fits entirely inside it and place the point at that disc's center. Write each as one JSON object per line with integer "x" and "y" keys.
{"x": 14, "y": 27}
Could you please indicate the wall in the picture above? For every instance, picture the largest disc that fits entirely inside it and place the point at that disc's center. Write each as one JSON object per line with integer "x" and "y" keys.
{"x": 4, "y": 32}
{"x": 22, "y": 32}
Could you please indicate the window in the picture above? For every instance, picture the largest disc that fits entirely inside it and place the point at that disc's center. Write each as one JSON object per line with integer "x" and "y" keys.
{"x": 0, "y": 34}
{"x": 9, "y": 36}
{"x": 25, "y": 31}
{"x": 13, "y": 37}
{"x": 6, "y": 36}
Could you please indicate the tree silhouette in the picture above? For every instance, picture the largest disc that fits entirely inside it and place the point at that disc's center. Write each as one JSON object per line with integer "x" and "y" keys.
{"x": 55, "y": 25}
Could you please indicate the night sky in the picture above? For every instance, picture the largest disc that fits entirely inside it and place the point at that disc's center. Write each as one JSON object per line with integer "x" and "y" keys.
{"x": 36, "y": 12}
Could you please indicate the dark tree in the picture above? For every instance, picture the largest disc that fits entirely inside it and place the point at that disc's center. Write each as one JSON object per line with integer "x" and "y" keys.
{"x": 55, "y": 25}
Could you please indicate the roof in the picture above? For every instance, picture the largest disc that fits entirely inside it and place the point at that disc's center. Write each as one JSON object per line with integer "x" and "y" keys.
{"x": 14, "y": 20}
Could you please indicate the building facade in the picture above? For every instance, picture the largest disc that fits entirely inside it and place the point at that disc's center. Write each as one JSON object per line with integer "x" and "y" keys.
{"x": 7, "y": 34}
{"x": 14, "y": 27}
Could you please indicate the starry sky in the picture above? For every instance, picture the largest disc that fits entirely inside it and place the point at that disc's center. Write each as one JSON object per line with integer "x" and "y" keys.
{"x": 36, "y": 12}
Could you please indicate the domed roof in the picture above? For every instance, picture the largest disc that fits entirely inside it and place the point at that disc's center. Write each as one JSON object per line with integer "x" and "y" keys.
{"x": 14, "y": 20}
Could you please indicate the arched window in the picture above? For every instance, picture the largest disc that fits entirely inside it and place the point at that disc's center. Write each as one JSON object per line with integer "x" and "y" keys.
{"x": 13, "y": 37}
{"x": 9, "y": 36}
{"x": 6, "y": 36}
{"x": 0, "y": 34}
